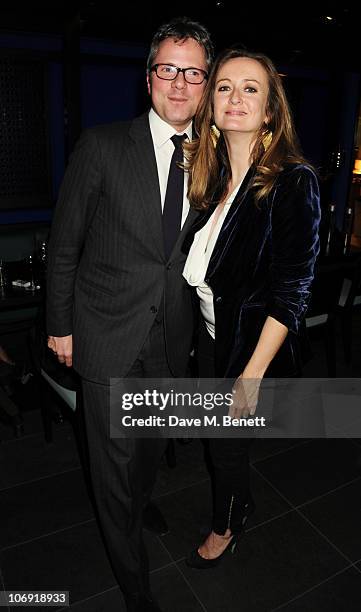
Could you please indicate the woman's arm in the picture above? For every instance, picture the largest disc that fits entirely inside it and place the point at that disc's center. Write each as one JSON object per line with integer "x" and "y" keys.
{"x": 270, "y": 341}
{"x": 246, "y": 387}
{"x": 295, "y": 218}
{"x": 295, "y": 245}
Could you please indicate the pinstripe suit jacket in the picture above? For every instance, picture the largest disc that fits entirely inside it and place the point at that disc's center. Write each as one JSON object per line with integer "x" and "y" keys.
{"x": 107, "y": 271}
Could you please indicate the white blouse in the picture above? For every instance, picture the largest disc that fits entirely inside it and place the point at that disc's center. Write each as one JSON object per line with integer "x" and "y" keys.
{"x": 196, "y": 265}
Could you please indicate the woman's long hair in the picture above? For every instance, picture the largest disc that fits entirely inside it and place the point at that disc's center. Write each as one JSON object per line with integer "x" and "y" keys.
{"x": 208, "y": 166}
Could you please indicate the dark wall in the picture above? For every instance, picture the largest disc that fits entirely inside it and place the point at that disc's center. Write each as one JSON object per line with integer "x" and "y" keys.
{"x": 113, "y": 88}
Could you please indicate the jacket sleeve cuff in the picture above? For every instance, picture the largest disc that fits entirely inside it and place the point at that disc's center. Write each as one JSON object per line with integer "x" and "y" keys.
{"x": 283, "y": 315}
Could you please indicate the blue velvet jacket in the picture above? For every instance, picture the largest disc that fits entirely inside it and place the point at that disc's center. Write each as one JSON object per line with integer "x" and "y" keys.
{"x": 262, "y": 265}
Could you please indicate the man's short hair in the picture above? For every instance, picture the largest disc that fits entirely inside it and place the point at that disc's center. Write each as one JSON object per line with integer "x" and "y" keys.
{"x": 181, "y": 28}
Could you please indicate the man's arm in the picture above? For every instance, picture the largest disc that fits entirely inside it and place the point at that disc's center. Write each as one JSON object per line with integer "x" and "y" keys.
{"x": 77, "y": 203}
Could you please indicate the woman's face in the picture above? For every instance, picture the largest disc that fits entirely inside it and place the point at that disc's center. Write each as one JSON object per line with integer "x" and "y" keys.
{"x": 240, "y": 96}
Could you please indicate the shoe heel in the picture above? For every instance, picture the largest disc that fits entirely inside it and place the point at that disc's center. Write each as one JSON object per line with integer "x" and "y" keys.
{"x": 234, "y": 545}
{"x": 245, "y": 520}
{"x": 248, "y": 511}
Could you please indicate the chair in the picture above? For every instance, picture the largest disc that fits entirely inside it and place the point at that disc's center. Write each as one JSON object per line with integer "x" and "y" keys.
{"x": 349, "y": 299}
{"x": 8, "y": 409}
{"x": 63, "y": 383}
{"x": 69, "y": 398}
{"x": 60, "y": 384}
{"x": 326, "y": 291}
{"x": 18, "y": 307}
{"x": 54, "y": 380}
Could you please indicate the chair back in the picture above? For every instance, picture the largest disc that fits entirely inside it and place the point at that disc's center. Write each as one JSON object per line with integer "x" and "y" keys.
{"x": 326, "y": 287}
{"x": 351, "y": 287}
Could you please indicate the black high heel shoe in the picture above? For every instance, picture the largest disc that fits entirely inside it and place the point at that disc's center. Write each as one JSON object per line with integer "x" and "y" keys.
{"x": 196, "y": 561}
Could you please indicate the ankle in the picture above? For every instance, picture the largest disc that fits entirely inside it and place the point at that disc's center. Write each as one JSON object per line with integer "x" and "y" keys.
{"x": 225, "y": 536}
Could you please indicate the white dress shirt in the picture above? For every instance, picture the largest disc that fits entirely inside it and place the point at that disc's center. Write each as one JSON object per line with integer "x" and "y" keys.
{"x": 196, "y": 265}
{"x": 162, "y": 133}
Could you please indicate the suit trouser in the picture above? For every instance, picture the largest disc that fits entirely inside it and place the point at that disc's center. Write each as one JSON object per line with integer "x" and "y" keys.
{"x": 229, "y": 458}
{"x": 123, "y": 471}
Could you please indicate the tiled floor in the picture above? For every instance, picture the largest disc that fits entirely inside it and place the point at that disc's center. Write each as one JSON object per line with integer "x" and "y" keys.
{"x": 301, "y": 551}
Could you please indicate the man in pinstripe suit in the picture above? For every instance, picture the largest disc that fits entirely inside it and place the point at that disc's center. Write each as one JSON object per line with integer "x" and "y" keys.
{"x": 116, "y": 305}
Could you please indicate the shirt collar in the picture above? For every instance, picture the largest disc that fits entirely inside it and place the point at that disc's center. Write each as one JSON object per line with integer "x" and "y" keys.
{"x": 162, "y": 131}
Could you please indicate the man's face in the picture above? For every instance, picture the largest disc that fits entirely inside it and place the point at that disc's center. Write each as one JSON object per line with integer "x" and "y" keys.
{"x": 176, "y": 101}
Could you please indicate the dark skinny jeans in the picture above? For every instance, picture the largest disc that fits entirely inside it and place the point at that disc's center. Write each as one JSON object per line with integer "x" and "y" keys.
{"x": 229, "y": 458}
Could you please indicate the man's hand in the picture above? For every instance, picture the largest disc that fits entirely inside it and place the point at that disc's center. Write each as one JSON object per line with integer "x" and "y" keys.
{"x": 62, "y": 346}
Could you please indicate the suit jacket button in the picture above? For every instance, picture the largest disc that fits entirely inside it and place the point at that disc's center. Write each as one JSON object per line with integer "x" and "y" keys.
{"x": 153, "y": 309}
{"x": 218, "y": 299}
{"x": 169, "y": 266}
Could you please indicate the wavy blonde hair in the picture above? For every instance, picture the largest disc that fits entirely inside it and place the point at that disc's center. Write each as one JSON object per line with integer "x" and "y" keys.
{"x": 209, "y": 167}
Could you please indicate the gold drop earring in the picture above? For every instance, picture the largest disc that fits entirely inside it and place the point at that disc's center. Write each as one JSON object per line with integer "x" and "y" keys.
{"x": 267, "y": 138}
{"x": 215, "y": 134}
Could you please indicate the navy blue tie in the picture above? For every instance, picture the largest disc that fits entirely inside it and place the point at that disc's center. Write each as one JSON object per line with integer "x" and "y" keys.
{"x": 173, "y": 202}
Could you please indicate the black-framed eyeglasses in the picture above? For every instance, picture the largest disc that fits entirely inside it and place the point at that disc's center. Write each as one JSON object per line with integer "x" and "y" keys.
{"x": 168, "y": 72}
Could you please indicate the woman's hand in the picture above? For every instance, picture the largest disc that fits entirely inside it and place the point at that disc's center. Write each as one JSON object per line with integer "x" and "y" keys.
{"x": 246, "y": 388}
{"x": 245, "y": 397}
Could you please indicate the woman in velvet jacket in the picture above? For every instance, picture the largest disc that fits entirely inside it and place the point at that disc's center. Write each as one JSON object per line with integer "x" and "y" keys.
{"x": 251, "y": 257}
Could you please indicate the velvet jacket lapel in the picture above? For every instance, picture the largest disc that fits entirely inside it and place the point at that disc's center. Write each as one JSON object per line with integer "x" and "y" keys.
{"x": 237, "y": 215}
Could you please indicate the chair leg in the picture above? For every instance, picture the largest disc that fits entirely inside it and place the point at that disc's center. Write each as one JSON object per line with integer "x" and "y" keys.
{"x": 79, "y": 426}
{"x": 46, "y": 413}
{"x": 330, "y": 346}
{"x": 346, "y": 325}
{"x": 12, "y": 412}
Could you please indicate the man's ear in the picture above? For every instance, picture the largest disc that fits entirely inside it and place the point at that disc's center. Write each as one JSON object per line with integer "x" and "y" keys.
{"x": 149, "y": 87}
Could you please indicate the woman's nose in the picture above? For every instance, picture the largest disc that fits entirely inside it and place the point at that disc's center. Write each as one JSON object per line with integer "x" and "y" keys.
{"x": 235, "y": 98}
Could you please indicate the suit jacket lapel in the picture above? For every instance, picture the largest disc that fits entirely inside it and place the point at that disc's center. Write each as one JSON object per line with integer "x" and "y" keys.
{"x": 142, "y": 158}
{"x": 191, "y": 217}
